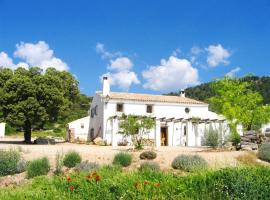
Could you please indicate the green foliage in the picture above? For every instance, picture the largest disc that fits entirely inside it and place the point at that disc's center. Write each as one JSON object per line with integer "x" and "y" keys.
{"x": 189, "y": 163}
{"x": 148, "y": 155}
{"x": 149, "y": 165}
{"x": 239, "y": 104}
{"x": 59, "y": 163}
{"x": 212, "y": 138}
{"x": 231, "y": 183}
{"x": 86, "y": 166}
{"x": 264, "y": 152}
{"x": 235, "y": 138}
{"x": 71, "y": 159}
{"x": 9, "y": 130}
{"x": 31, "y": 98}
{"x": 38, "y": 167}
{"x": 136, "y": 126}
{"x": 123, "y": 159}
{"x": 8, "y": 162}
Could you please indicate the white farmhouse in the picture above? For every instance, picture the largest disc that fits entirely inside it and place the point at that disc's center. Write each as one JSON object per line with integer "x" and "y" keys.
{"x": 78, "y": 129}
{"x": 175, "y": 117}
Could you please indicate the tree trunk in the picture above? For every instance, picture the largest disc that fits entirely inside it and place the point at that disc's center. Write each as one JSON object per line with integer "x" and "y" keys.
{"x": 27, "y": 132}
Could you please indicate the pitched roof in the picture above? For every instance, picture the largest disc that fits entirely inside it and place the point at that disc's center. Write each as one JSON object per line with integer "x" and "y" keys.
{"x": 153, "y": 98}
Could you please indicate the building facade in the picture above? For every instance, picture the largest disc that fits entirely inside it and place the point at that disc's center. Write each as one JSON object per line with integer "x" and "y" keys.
{"x": 180, "y": 121}
{"x": 78, "y": 130}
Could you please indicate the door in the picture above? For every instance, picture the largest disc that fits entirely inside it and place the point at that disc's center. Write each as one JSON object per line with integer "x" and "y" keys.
{"x": 164, "y": 136}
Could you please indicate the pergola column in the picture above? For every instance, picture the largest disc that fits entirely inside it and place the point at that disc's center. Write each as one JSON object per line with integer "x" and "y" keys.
{"x": 114, "y": 131}
{"x": 157, "y": 134}
{"x": 170, "y": 133}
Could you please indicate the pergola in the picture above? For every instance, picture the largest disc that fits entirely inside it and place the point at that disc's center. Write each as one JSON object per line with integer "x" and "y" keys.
{"x": 170, "y": 123}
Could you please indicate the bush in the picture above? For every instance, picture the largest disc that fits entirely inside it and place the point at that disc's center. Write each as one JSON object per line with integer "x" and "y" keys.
{"x": 148, "y": 155}
{"x": 212, "y": 138}
{"x": 152, "y": 166}
{"x": 264, "y": 152}
{"x": 21, "y": 166}
{"x": 235, "y": 138}
{"x": 38, "y": 167}
{"x": 87, "y": 166}
{"x": 71, "y": 159}
{"x": 8, "y": 162}
{"x": 123, "y": 159}
{"x": 189, "y": 163}
{"x": 58, "y": 163}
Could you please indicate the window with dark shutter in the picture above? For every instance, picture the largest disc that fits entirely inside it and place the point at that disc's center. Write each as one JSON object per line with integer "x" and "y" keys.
{"x": 119, "y": 107}
{"x": 149, "y": 108}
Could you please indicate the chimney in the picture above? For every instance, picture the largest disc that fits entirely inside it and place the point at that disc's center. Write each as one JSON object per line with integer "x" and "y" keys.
{"x": 182, "y": 93}
{"x": 106, "y": 86}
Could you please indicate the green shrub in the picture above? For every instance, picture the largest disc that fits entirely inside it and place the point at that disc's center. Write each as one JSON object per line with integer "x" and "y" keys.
{"x": 71, "y": 159}
{"x": 212, "y": 138}
{"x": 235, "y": 138}
{"x": 264, "y": 152}
{"x": 123, "y": 159}
{"x": 58, "y": 163}
{"x": 149, "y": 165}
{"x": 87, "y": 166}
{"x": 21, "y": 166}
{"x": 148, "y": 155}
{"x": 8, "y": 162}
{"x": 38, "y": 167}
{"x": 189, "y": 163}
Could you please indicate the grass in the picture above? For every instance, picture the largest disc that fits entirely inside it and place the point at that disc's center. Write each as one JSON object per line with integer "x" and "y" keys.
{"x": 48, "y": 133}
{"x": 248, "y": 158}
{"x": 112, "y": 183}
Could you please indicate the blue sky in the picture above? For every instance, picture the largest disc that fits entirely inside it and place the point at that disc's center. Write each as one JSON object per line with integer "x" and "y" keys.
{"x": 144, "y": 46}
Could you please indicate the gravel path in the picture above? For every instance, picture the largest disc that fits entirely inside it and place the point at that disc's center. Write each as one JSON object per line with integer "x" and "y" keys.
{"x": 105, "y": 154}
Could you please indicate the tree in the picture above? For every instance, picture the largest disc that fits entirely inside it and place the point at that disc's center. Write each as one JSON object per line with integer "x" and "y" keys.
{"x": 136, "y": 127}
{"x": 239, "y": 104}
{"x": 30, "y": 98}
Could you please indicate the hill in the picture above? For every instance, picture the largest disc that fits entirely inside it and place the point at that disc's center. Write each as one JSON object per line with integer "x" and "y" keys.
{"x": 204, "y": 91}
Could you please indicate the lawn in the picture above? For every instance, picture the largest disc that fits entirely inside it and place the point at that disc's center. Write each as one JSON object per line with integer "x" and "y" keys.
{"x": 111, "y": 182}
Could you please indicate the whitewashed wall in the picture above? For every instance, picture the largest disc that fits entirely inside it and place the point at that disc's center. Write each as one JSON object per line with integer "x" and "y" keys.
{"x": 2, "y": 129}
{"x": 97, "y": 121}
{"x": 167, "y": 110}
{"x": 79, "y": 132}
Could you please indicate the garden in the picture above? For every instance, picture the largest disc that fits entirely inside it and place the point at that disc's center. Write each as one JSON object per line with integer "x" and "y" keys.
{"x": 190, "y": 177}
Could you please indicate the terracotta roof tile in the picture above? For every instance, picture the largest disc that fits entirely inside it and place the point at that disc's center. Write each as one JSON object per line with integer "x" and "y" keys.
{"x": 153, "y": 98}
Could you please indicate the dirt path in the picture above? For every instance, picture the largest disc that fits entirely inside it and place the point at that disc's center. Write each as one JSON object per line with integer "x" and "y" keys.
{"x": 105, "y": 154}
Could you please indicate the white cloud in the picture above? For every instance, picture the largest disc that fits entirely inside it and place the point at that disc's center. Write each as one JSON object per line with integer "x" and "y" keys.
{"x": 171, "y": 74}
{"x": 233, "y": 72}
{"x": 5, "y": 60}
{"x": 195, "y": 50}
{"x": 119, "y": 69}
{"x": 122, "y": 79}
{"x": 121, "y": 63}
{"x": 39, "y": 55}
{"x": 100, "y": 48}
{"x": 217, "y": 55}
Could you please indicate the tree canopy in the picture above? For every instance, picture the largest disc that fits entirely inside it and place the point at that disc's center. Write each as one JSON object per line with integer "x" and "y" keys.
{"x": 239, "y": 103}
{"x": 136, "y": 126}
{"x": 31, "y": 98}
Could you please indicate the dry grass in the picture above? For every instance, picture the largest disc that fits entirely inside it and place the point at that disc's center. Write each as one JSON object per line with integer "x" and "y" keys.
{"x": 248, "y": 158}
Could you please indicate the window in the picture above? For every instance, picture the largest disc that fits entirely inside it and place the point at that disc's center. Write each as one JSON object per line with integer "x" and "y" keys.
{"x": 82, "y": 125}
{"x": 187, "y": 110}
{"x": 149, "y": 108}
{"x": 119, "y": 107}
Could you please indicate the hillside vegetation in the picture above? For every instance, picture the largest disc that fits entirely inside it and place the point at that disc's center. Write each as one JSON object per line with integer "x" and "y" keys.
{"x": 204, "y": 91}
